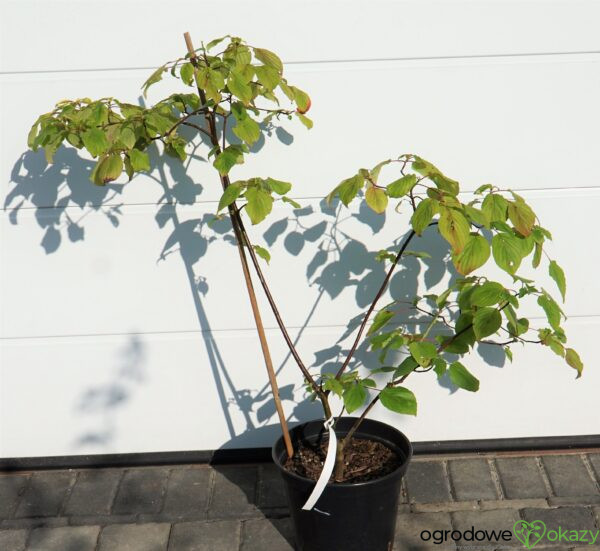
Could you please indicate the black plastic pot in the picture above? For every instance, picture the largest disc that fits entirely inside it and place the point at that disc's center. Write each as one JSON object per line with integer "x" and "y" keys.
{"x": 348, "y": 516}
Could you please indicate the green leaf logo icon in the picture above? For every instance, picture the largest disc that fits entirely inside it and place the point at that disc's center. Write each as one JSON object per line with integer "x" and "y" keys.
{"x": 529, "y": 533}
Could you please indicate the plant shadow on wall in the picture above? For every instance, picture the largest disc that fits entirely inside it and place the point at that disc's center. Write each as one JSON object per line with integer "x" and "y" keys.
{"x": 63, "y": 199}
{"x": 340, "y": 263}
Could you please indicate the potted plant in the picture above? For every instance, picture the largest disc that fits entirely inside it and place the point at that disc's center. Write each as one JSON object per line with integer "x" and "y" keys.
{"x": 233, "y": 85}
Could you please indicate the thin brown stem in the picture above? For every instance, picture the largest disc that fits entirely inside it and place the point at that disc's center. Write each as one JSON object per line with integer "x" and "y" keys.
{"x": 375, "y": 301}
{"x": 246, "y": 272}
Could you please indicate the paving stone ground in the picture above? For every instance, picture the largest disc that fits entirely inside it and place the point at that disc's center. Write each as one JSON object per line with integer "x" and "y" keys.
{"x": 243, "y": 507}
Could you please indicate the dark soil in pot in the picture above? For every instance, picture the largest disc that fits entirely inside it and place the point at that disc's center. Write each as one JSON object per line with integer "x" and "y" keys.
{"x": 364, "y": 460}
{"x": 349, "y": 516}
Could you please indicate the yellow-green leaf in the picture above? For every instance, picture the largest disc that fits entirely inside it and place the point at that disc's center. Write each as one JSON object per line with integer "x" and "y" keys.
{"x": 259, "y": 204}
{"x": 521, "y": 216}
{"x": 262, "y": 252}
{"x": 454, "y": 227}
{"x": 461, "y": 377}
{"x": 574, "y": 361}
{"x": 474, "y": 255}
{"x": 423, "y": 215}
{"x": 558, "y": 275}
{"x": 269, "y": 58}
{"x": 376, "y": 199}
{"x": 139, "y": 160}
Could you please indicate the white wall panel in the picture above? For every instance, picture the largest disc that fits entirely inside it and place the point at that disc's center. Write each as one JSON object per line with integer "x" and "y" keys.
{"x": 140, "y": 277}
{"x": 151, "y": 392}
{"x": 99, "y": 34}
{"x": 528, "y": 123}
{"x": 124, "y": 326}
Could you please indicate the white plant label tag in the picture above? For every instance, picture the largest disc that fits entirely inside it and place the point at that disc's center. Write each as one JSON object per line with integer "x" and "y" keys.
{"x": 327, "y": 468}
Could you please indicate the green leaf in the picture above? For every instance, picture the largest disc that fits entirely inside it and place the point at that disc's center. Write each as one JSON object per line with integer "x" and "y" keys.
{"x": 455, "y": 229}
{"x": 229, "y": 157}
{"x": 574, "y": 361}
{"x": 423, "y": 215}
{"x": 215, "y": 42}
{"x": 263, "y": 253}
{"x": 443, "y": 298}
{"x": 155, "y": 77}
{"x": 494, "y": 206}
{"x": 302, "y": 99}
{"x": 305, "y": 120}
{"x": 461, "y": 377}
{"x": 139, "y": 160}
{"x": 551, "y": 309}
{"x": 376, "y": 199}
{"x": 95, "y": 141}
{"x": 267, "y": 76}
{"x": 417, "y": 254}
{"x": 488, "y": 294}
{"x": 127, "y": 136}
{"x": 474, "y": 255}
{"x": 439, "y": 367}
{"x": 507, "y": 252}
{"x": 354, "y": 396}
{"x": 380, "y": 319}
{"x": 477, "y": 216}
{"x": 399, "y": 188}
{"x": 294, "y": 204}
{"x": 521, "y": 327}
{"x": 398, "y": 399}
{"x": 279, "y": 187}
{"x": 187, "y": 73}
{"x": 109, "y": 168}
{"x": 508, "y": 353}
{"x": 347, "y": 189}
{"x": 408, "y": 365}
{"x": 521, "y": 216}
{"x": 230, "y": 194}
{"x": 486, "y": 321}
{"x": 423, "y": 352}
{"x": 537, "y": 255}
{"x": 239, "y": 87}
{"x": 269, "y": 58}
{"x": 32, "y": 134}
{"x": 332, "y": 384}
{"x": 247, "y": 130}
{"x": 259, "y": 204}
{"x": 557, "y": 274}
{"x": 482, "y": 188}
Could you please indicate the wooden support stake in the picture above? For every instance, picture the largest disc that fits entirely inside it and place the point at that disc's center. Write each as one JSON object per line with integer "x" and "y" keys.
{"x": 233, "y": 212}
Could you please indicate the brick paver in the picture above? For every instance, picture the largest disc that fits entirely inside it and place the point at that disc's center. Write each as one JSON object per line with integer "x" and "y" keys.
{"x": 187, "y": 493}
{"x": 520, "y": 478}
{"x": 426, "y": 481}
{"x": 66, "y": 538}
{"x": 569, "y": 476}
{"x": 244, "y": 507}
{"x": 93, "y": 493}
{"x": 205, "y": 535}
{"x": 135, "y": 537}
{"x": 45, "y": 494}
{"x": 141, "y": 491}
{"x": 472, "y": 479}
{"x": 234, "y": 494}
{"x": 272, "y": 534}
{"x": 13, "y": 540}
{"x": 11, "y": 487}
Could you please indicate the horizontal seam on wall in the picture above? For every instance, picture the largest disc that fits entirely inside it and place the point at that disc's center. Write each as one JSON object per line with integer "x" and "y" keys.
{"x": 228, "y": 330}
{"x": 215, "y": 201}
{"x": 323, "y": 61}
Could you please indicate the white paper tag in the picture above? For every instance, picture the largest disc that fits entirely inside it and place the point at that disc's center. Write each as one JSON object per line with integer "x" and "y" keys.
{"x": 327, "y": 469}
